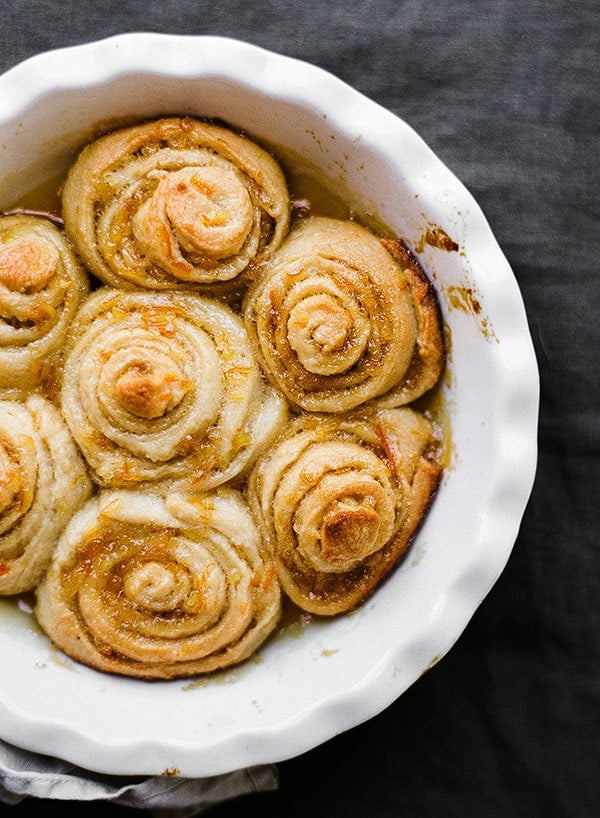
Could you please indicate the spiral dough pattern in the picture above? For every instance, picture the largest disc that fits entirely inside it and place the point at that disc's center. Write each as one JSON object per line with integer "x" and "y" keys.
{"x": 163, "y": 386}
{"x": 176, "y": 202}
{"x": 339, "y": 499}
{"x": 43, "y": 481}
{"x": 334, "y": 318}
{"x": 160, "y": 588}
{"x": 41, "y": 286}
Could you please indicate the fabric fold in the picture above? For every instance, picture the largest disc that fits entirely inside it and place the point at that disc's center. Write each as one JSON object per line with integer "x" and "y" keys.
{"x": 24, "y": 774}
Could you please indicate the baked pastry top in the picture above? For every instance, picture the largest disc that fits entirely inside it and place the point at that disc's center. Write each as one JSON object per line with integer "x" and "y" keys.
{"x": 175, "y": 202}
{"x": 161, "y": 386}
{"x": 42, "y": 283}
{"x": 43, "y": 481}
{"x": 338, "y": 317}
{"x": 339, "y": 499}
{"x": 160, "y": 587}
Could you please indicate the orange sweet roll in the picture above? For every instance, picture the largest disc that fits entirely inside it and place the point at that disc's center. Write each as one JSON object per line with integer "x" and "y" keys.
{"x": 175, "y": 202}
{"x": 339, "y": 499}
{"x": 160, "y": 587}
{"x": 43, "y": 481}
{"x": 164, "y": 387}
{"x": 337, "y": 318}
{"x": 41, "y": 286}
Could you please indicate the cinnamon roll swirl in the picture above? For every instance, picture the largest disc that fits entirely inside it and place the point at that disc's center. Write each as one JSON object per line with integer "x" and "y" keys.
{"x": 41, "y": 286}
{"x": 175, "y": 202}
{"x": 339, "y": 498}
{"x": 336, "y": 319}
{"x": 43, "y": 481}
{"x": 164, "y": 386}
{"x": 160, "y": 588}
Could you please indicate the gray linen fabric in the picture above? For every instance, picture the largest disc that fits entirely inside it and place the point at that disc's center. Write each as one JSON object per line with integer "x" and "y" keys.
{"x": 24, "y": 774}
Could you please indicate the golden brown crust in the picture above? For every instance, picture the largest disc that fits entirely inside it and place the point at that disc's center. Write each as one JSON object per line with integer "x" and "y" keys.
{"x": 339, "y": 317}
{"x": 429, "y": 355}
{"x": 175, "y": 202}
{"x": 43, "y": 481}
{"x": 41, "y": 287}
{"x": 331, "y": 316}
{"x": 339, "y": 499}
{"x": 163, "y": 386}
{"x": 160, "y": 588}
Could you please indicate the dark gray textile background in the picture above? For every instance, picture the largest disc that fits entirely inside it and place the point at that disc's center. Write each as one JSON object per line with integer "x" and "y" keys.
{"x": 508, "y": 723}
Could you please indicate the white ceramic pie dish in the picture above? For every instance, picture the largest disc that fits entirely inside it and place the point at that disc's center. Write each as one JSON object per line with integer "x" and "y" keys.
{"x": 310, "y": 682}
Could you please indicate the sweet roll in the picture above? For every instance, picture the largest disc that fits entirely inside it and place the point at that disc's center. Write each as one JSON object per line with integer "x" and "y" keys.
{"x": 159, "y": 588}
{"x": 164, "y": 386}
{"x": 339, "y": 498}
{"x": 175, "y": 202}
{"x": 43, "y": 481}
{"x": 41, "y": 286}
{"x": 336, "y": 320}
